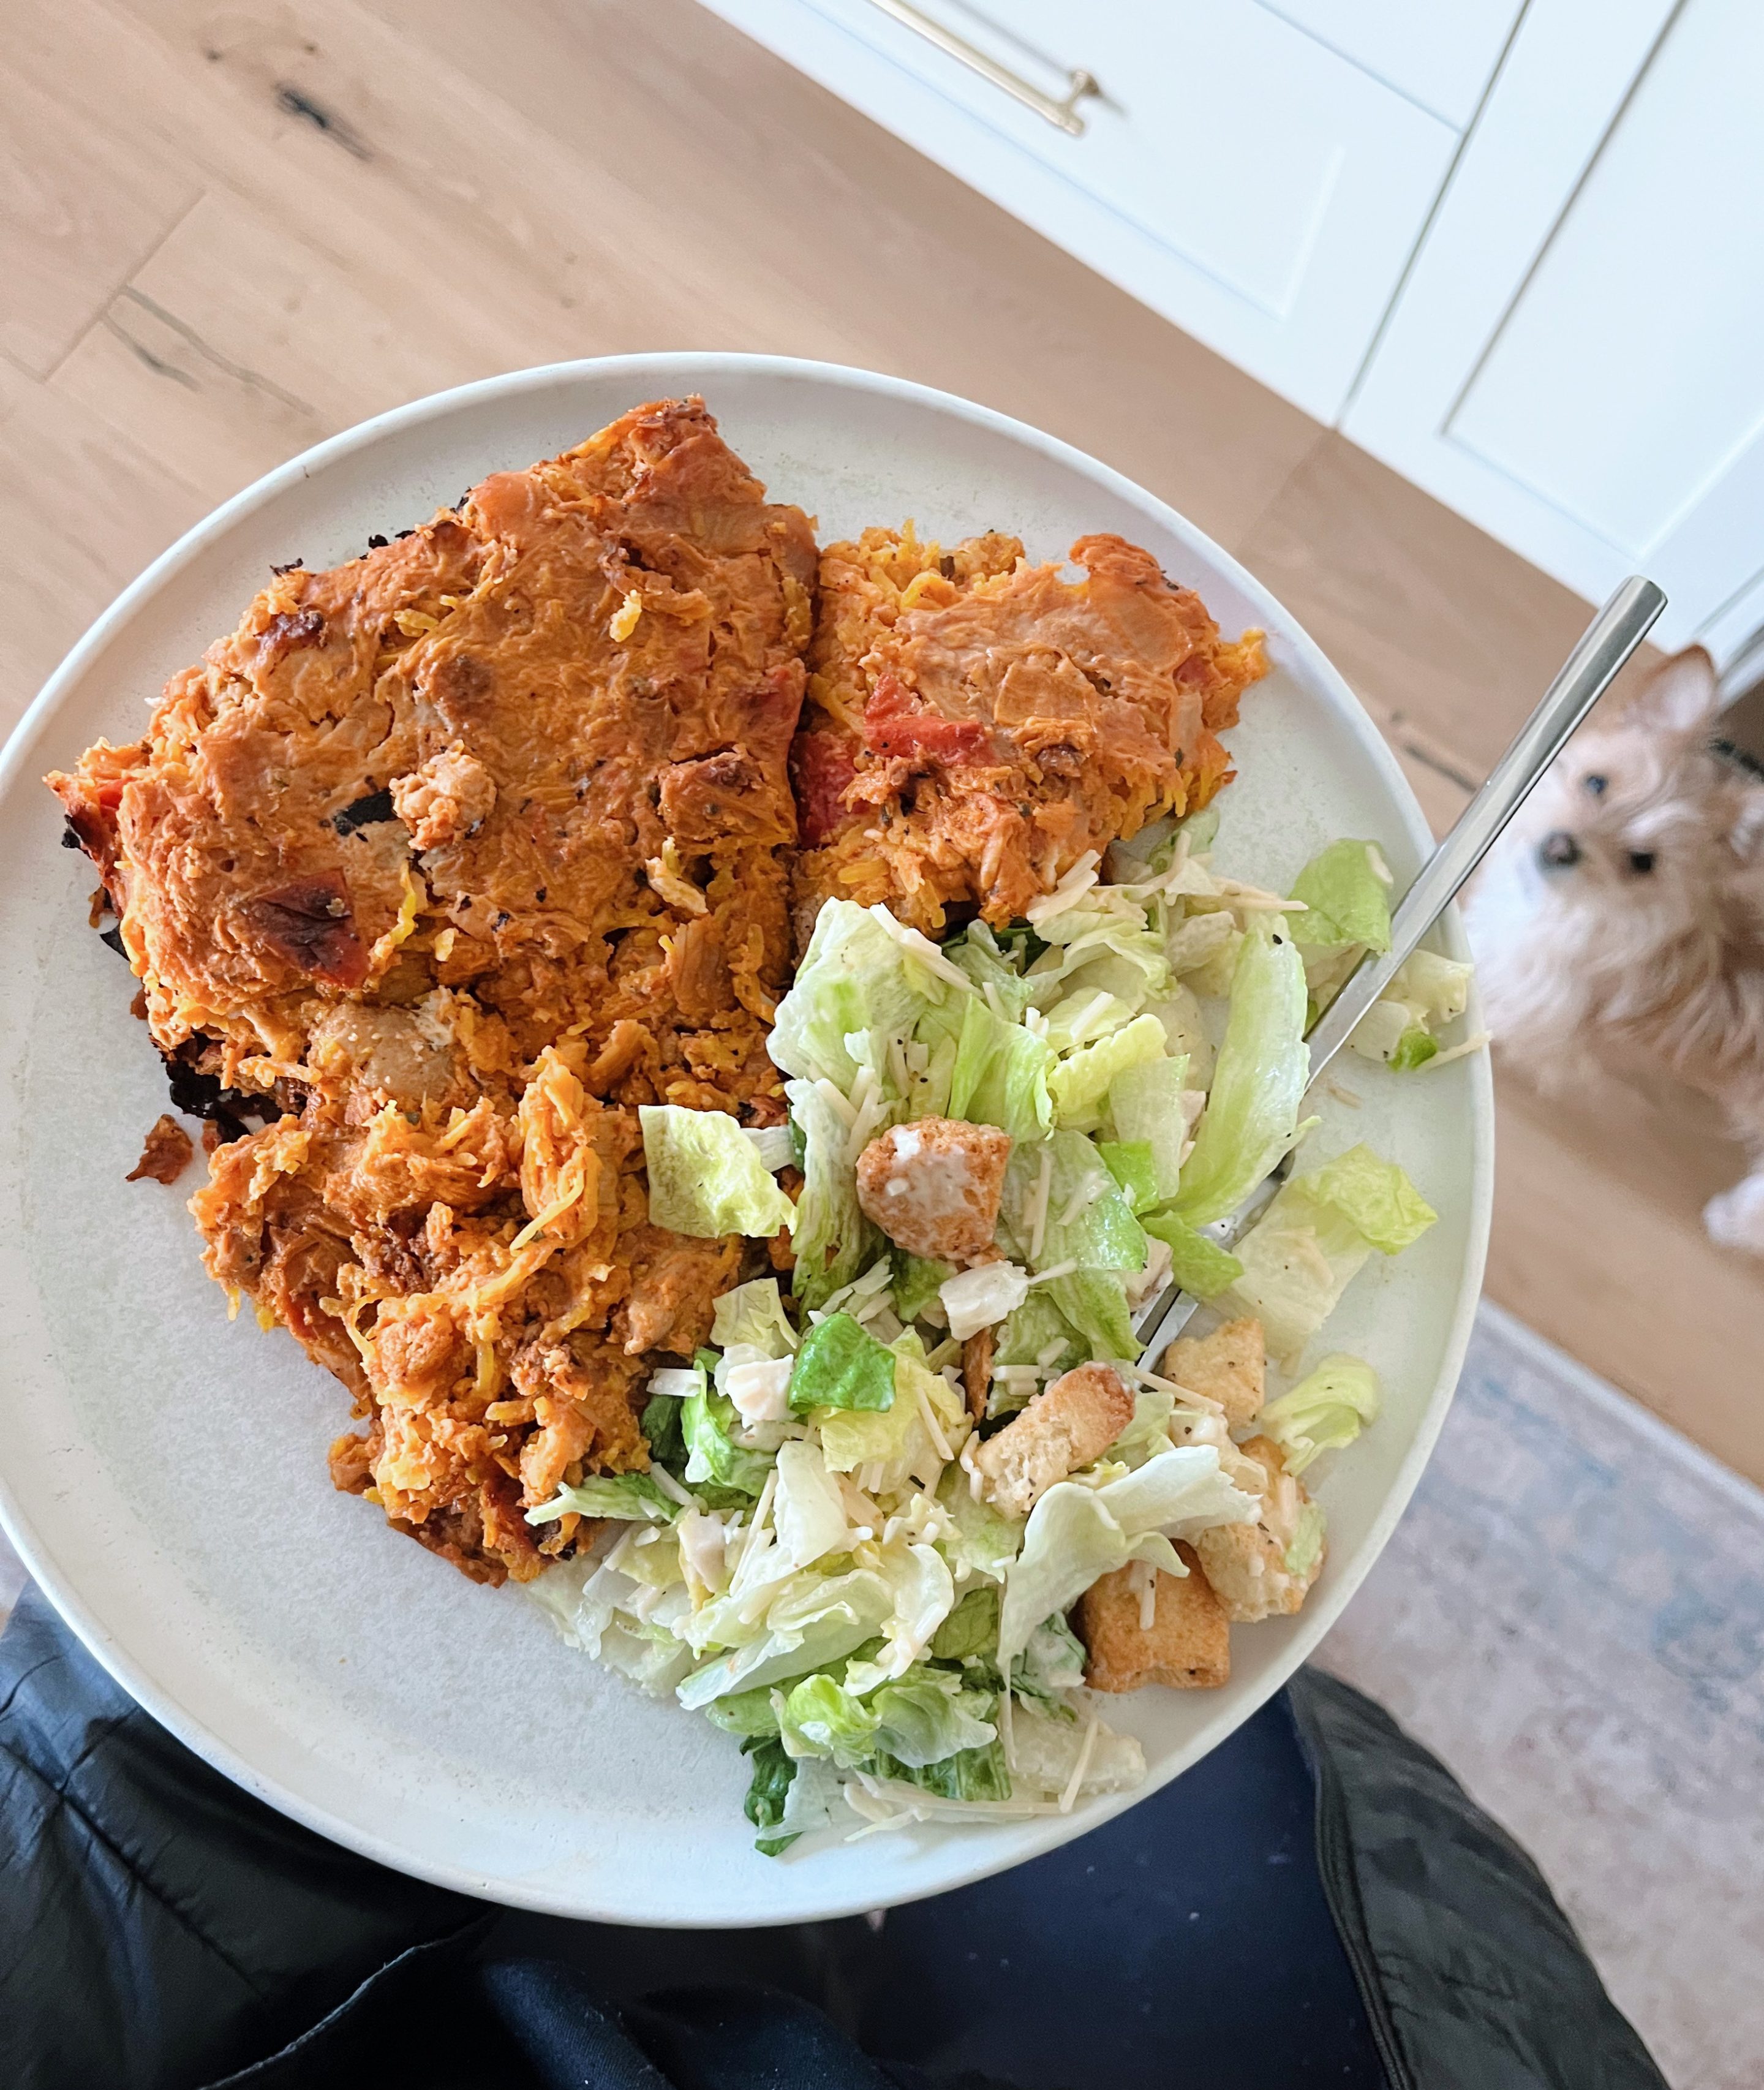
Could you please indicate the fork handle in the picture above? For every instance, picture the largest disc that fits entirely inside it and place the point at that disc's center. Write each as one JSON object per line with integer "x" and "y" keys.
{"x": 1588, "y": 671}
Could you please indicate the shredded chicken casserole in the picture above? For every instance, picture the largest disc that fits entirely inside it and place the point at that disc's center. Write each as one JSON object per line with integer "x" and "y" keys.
{"x": 450, "y": 859}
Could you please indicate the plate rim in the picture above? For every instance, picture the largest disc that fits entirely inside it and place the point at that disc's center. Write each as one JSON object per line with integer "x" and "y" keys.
{"x": 163, "y": 1705}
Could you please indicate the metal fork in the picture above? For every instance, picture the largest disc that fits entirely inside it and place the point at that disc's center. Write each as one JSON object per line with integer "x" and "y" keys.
{"x": 1606, "y": 645}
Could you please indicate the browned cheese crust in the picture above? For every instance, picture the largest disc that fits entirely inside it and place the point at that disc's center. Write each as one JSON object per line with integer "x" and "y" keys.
{"x": 975, "y": 724}
{"x": 454, "y": 854}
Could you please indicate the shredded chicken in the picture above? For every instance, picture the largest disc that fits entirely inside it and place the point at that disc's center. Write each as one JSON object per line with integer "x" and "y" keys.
{"x": 380, "y": 863}
{"x": 976, "y": 726}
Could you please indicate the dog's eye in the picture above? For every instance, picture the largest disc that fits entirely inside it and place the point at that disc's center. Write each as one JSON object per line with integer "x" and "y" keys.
{"x": 1595, "y": 784}
{"x": 1640, "y": 860}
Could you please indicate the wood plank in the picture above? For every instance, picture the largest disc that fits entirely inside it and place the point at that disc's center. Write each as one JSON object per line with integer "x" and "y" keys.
{"x": 82, "y": 203}
{"x": 1598, "y": 1243}
{"x": 1448, "y": 637}
{"x": 83, "y": 509}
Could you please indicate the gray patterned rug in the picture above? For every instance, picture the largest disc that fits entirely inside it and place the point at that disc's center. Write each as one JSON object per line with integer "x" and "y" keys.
{"x": 1571, "y": 1615}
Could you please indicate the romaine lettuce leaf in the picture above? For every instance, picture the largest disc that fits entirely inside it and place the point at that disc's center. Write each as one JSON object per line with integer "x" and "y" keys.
{"x": 754, "y": 1313}
{"x": 813, "y": 1621}
{"x": 1375, "y": 1195}
{"x": 1346, "y": 902}
{"x": 915, "y": 1284}
{"x": 971, "y": 1774}
{"x": 706, "y": 1178}
{"x": 808, "y": 1512}
{"x": 833, "y": 1241}
{"x": 631, "y": 1497}
{"x": 1258, "y": 1082}
{"x": 985, "y": 1543}
{"x": 767, "y": 1792}
{"x": 1198, "y": 1263}
{"x": 821, "y": 1718}
{"x": 1133, "y": 1166}
{"x": 708, "y": 1421}
{"x": 971, "y": 1628}
{"x": 1094, "y": 1303}
{"x": 1078, "y": 1083}
{"x": 1076, "y": 1534}
{"x": 1146, "y": 1105}
{"x": 1325, "y": 1411}
{"x": 928, "y": 1717}
{"x": 841, "y": 1365}
{"x": 1313, "y": 1240}
{"x": 854, "y": 980}
{"x": 1000, "y": 1075}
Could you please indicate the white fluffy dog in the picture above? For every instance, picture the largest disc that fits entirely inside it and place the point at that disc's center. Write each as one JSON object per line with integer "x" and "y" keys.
{"x": 1619, "y": 927}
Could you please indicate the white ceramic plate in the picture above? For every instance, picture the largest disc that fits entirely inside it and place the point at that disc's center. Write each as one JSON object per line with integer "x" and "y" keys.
{"x": 164, "y": 1469}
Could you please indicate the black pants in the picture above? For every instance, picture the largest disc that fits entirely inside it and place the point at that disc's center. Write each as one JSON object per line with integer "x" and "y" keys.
{"x": 1316, "y": 1903}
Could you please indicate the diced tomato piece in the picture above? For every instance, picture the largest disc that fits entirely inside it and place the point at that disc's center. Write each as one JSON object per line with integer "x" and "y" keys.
{"x": 820, "y": 766}
{"x": 895, "y": 723}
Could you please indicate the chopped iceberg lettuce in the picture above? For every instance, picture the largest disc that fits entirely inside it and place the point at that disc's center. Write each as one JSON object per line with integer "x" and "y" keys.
{"x": 706, "y": 1177}
{"x": 841, "y": 1365}
{"x": 1325, "y": 1411}
{"x": 1263, "y": 1070}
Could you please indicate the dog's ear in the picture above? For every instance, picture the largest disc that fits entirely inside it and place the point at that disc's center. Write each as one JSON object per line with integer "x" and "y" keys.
{"x": 1679, "y": 694}
{"x": 1746, "y": 835}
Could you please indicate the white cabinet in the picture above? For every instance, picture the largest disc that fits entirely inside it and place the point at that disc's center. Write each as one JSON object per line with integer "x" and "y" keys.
{"x": 1513, "y": 247}
{"x": 1577, "y": 362}
{"x": 1439, "y": 53}
{"x": 1234, "y": 172}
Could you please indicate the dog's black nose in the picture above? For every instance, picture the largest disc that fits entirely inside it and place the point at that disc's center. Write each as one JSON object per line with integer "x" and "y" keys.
{"x": 1557, "y": 851}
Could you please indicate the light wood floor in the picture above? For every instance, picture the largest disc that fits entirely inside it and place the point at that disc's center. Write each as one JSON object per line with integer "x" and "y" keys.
{"x": 227, "y": 232}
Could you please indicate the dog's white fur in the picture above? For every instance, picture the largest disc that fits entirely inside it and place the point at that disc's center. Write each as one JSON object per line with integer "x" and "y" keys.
{"x": 1639, "y": 949}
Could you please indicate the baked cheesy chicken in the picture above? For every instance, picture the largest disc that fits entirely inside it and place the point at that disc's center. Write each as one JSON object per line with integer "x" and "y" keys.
{"x": 449, "y": 858}
{"x": 977, "y": 727}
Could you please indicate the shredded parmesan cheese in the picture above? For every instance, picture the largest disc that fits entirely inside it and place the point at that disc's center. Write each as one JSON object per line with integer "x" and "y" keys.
{"x": 1075, "y": 1784}
{"x": 626, "y": 617}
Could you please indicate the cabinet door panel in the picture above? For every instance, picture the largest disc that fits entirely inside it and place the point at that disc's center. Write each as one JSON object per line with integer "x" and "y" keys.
{"x": 1234, "y": 174}
{"x": 1591, "y": 388}
{"x": 1439, "y": 53}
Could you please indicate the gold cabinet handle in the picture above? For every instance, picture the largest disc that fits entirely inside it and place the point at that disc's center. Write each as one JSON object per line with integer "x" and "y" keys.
{"x": 1062, "y": 114}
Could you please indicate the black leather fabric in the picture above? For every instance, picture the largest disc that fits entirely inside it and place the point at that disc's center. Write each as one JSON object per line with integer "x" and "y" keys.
{"x": 1474, "y": 1978}
{"x": 161, "y": 1930}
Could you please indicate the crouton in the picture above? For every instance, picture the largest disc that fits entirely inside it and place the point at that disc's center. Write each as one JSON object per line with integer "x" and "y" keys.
{"x": 1065, "y": 1426}
{"x": 1229, "y": 1366}
{"x": 1247, "y": 1564}
{"x": 1188, "y": 1646}
{"x": 933, "y": 1187}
